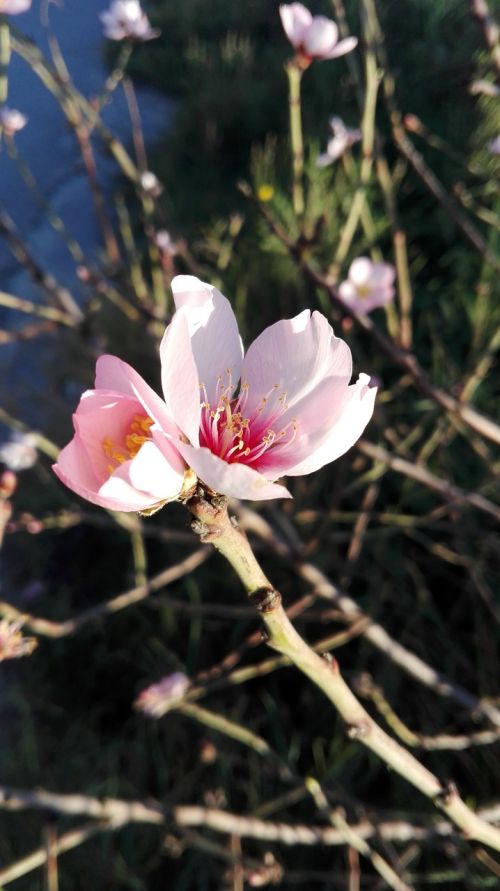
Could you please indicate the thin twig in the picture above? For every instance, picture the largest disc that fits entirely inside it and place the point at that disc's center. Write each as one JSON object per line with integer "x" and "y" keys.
{"x": 447, "y": 490}
{"x": 406, "y": 360}
{"x": 412, "y": 664}
{"x": 398, "y": 831}
{"x": 214, "y": 525}
{"x": 66, "y": 842}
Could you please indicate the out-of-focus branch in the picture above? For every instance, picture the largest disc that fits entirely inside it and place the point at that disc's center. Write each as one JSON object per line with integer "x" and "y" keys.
{"x": 48, "y": 628}
{"x": 406, "y": 360}
{"x": 214, "y": 525}
{"x": 66, "y": 842}
{"x": 447, "y": 490}
{"x": 113, "y": 811}
{"x": 36, "y": 309}
{"x": 398, "y": 831}
{"x": 412, "y": 664}
{"x": 59, "y": 294}
{"x": 367, "y": 689}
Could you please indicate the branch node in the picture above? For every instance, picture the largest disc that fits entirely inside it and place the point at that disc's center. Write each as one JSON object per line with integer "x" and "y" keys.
{"x": 358, "y": 730}
{"x": 265, "y": 600}
{"x": 448, "y": 792}
{"x": 332, "y": 662}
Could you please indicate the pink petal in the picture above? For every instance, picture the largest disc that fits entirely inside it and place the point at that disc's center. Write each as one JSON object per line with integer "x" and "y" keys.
{"x": 235, "y": 480}
{"x": 118, "y": 494}
{"x": 337, "y": 146}
{"x": 321, "y": 37}
{"x": 215, "y": 341}
{"x": 179, "y": 377}
{"x": 295, "y": 19}
{"x": 360, "y": 271}
{"x": 356, "y": 411}
{"x": 295, "y": 354}
{"x": 168, "y": 448}
{"x": 324, "y": 160}
{"x": 114, "y": 374}
{"x": 101, "y": 415}
{"x": 348, "y": 291}
{"x": 150, "y": 473}
{"x": 345, "y": 46}
{"x": 378, "y": 297}
{"x": 75, "y": 471}
{"x": 315, "y": 415}
{"x": 383, "y": 275}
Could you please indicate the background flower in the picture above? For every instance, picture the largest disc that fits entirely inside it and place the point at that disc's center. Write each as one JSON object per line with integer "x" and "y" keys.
{"x": 343, "y": 138}
{"x": 11, "y": 120}
{"x": 368, "y": 285}
{"x": 314, "y": 37}
{"x": 126, "y": 19}
{"x": 19, "y": 452}
{"x": 13, "y": 7}
{"x": 156, "y": 700}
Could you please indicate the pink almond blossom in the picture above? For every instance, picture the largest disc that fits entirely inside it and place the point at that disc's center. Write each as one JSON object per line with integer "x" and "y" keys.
{"x": 313, "y": 37}
{"x": 368, "y": 285}
{"x": 342, "y": 139}
{"x": 237, "y": 422}
{"x": 284, "y": 408}
{"x": 121, "y": 456}
{"x": 126, "y": 19}
{"x": 14, "y": 7}
{"x": 157, "y": 699}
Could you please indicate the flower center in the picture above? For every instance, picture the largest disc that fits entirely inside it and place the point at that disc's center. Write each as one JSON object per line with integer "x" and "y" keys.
{"x": 364, "y": 291}
{"x": 237, "y": 435}
{"x": 137, "y": 434}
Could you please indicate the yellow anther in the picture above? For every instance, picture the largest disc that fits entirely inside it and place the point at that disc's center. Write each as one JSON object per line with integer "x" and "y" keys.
{"x": 139, "y": 433}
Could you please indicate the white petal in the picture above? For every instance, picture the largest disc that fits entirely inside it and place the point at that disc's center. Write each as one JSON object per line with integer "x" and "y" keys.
{"x": 235, "y": 480}
{"x": 360, "y": 271}
{"x": 356, "y": 412}
{"x": 215, "y": 341}
{"x": 321, "y": 37}
{"x": 295, "y": 19}
{"x": 293, "y": 356}
{"x": 179, "y": 377}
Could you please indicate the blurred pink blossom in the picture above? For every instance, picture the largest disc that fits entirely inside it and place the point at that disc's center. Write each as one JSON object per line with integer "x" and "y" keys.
{"x": 368, "y": 285}
{"x": 12, "y": 643}
{"x": 126, "y": 19}
{"x": 165, "y": 243}
{"x": 313, "y": 37}
{"x": 11, "y": 120}
{"x": 121, "y": 456}
{"x": 151, "y": 184}
{"x": 293, "y": 411}
{"x": 19, "y": 452}
{"x": 13, "y": 7}
{"x": 157, "y": 699}
{"x": 343, "y": 138}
